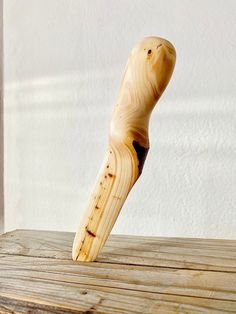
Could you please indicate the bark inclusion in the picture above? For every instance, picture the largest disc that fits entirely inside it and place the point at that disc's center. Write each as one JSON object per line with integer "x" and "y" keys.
{"x": 141, "y": 152}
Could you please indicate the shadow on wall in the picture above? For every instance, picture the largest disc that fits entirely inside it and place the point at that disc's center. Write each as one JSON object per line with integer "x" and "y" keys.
{"x": 54, "y": 125}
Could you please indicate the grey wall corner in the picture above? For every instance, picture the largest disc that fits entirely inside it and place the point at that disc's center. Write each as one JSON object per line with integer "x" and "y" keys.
{"x": 1, "y": 123}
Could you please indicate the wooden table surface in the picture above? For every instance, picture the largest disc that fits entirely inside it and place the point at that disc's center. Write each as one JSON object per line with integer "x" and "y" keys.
{"x": 132, "y": 275}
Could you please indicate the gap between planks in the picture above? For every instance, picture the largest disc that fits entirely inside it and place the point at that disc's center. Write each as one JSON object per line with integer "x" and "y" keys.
{"x": 160, "y": 252}
{"x": 122, "y": 287}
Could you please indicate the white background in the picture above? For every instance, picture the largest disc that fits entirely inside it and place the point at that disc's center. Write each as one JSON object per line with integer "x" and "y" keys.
{"x": 63, "y": 65}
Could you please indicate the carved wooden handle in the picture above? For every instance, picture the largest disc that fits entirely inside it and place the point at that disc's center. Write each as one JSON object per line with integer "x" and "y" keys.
{"x": 148, "y": 71}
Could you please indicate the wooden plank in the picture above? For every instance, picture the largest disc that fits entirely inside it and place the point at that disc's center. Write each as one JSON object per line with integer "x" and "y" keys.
{"x": 66, "y": 286}
{"x": 200, "y": 254}
{"x": 106, "y": 300}
{"x": 205, "y": 284}
{"x": 37, "y": 275}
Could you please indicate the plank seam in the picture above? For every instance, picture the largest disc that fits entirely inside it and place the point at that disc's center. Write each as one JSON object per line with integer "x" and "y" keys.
{"x": 127, "y": 264}
{"x": 125, "y": 289}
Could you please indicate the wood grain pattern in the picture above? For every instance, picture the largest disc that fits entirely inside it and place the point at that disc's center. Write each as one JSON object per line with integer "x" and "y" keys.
{"x": 200, "y": 254}
{"x": 148, "y": 71}
{"x": 37, "y": 275}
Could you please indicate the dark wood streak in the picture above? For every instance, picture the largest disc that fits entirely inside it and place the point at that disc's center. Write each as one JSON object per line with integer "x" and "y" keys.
{"x": 90, "y": 232}
{"x": 141, "y": 152}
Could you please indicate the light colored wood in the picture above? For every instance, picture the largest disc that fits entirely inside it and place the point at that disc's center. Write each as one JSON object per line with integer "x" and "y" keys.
{"x": 200, "y": 254}
{"x": 38, "y": 275}
{"x": 148, "y": 71}
{"x": 181, "y": 253}
{"x": 65, "y": 297}
{"x": 194, "y": 283}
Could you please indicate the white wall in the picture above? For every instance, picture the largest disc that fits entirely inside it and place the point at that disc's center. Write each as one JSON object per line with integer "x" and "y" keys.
{"x": 63, "y": 65}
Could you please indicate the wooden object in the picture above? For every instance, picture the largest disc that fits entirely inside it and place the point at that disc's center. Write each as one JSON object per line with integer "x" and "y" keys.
{"x": 148, "y": 71}
{"x": 131, "y": 275}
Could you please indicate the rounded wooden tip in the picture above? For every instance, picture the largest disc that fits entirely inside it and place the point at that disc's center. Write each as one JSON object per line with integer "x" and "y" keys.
{"x": 151, "y": 60}
{"x": 154, "y": 43}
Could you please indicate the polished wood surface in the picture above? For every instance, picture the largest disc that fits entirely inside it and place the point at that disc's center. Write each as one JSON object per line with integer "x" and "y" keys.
{"x": 148, "y": 71}
{"x": 131, "y": 275}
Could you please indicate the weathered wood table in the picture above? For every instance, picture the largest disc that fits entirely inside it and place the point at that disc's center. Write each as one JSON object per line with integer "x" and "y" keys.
{"x": 131, "y": 275}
